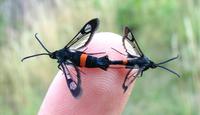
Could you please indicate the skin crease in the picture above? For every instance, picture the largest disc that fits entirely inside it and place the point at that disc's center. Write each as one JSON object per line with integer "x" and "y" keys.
{"x": 102, "y": 90}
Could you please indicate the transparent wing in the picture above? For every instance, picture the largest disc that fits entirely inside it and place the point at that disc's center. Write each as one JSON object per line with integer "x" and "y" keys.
{"x": 72, "y": 76}
{"x": 130, "y": 44}
{"x": 84, "y": 36}
{"x": 130, "y": 77}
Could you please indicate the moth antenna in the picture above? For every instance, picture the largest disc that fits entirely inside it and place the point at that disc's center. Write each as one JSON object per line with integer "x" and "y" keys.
{"x": 42, "y": 44}
{"x": 169, "y": 70}
{"x": 35, "y": 55}
{"x": 168, "y": 60}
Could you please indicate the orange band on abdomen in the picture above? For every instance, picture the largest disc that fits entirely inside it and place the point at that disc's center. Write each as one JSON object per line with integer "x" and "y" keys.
{"x": 83, "y": 59}
{"x": 125, "y": 62}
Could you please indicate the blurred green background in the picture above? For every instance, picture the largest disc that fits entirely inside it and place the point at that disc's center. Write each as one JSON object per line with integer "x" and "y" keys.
{"x": 163, "y": 28}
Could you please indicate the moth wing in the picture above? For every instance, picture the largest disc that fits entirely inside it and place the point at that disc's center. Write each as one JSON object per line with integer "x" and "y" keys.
{"x": 84, "y": 36}
{"x": 72, "y": 76}
{"x": 130, "y": 44}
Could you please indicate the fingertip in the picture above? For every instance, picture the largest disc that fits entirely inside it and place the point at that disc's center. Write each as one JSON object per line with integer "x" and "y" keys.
{"x": 102, "y": 91}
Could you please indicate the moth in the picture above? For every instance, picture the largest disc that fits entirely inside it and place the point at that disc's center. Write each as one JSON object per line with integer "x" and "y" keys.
{"x": 71, "y": 57}
{"x": 136, "y": 59}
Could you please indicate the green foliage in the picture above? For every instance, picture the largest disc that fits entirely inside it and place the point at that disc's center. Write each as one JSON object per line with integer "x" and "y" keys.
{"x": 2, "y": 30}
{"x": 163, "y": 29}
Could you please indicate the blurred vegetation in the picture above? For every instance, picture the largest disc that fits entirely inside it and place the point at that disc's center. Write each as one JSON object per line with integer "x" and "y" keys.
{"x": 163, "y": 29}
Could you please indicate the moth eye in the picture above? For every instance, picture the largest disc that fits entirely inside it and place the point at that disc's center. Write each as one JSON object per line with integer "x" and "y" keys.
{"x": 88, "y": 28}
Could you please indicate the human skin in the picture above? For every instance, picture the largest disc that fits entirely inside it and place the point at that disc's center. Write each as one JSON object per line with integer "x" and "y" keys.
{"x": 102, "y": 90}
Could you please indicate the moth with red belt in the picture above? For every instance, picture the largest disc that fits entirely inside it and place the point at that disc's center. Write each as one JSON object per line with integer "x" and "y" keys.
{"x": 71, "y": 57}
{"x": 136, "y": 59}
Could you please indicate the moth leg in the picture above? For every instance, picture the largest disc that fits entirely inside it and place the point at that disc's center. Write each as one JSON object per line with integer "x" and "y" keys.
{"x": 96, "y": 53}
{"x": 119, "y": 52}
{"x": 59, "y": 67}
{"x": 85, "y": 49}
